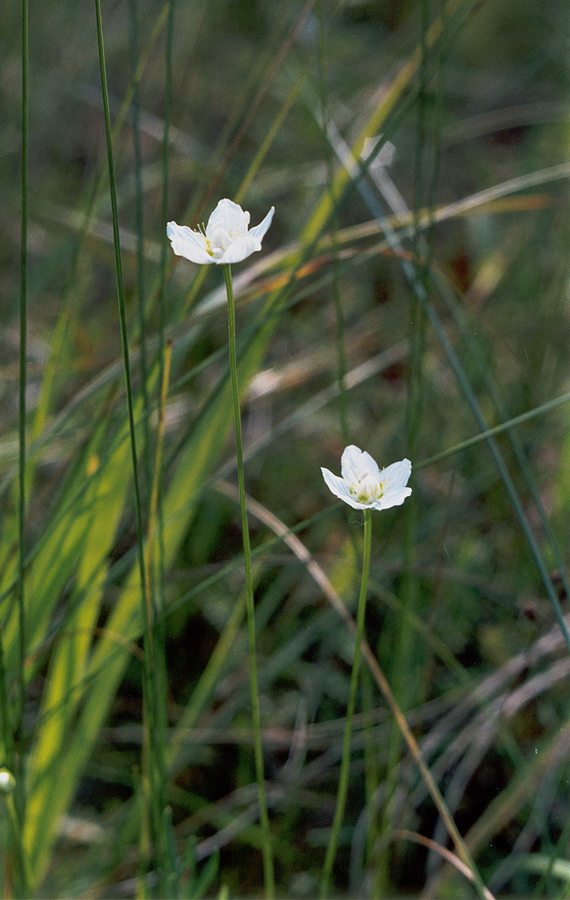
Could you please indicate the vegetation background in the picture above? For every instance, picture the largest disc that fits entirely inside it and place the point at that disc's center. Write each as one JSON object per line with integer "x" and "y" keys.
{"x": 411, "y": 294}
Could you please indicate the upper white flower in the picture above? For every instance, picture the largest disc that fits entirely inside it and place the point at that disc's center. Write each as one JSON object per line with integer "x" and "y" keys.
{"x": 226, "y": 238}
{"x": 364, "y": 486}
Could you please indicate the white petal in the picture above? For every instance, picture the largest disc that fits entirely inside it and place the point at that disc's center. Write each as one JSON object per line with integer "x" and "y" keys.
{"x": 258, "y": 231}
{"x": 393, "y": 498}
{"x": 240, "y": 249}
{"x": 334, "y": 483}
{"x": 340, "y": 489}
{"x": 190, "y": 244}
{"x": 356, "y": 464}
{"x": 349, "y": 463}
{"x": 229, "y": 216}
{"x": 397, "y": 474}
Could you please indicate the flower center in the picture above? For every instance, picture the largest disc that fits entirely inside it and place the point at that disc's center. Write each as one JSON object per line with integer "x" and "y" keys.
{"x": 210, "y": 242}
{"x": 367, "y": 489}
{"x": 218, "y": 241}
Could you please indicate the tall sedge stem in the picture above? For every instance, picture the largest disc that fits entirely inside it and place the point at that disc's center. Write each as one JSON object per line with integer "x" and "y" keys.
{"x": 20, "y": 793}
{"x": 345, "y": 762}
{"x": 150, "y": 699}
{"x": 267, "y": 850}
{"x": 23, "y": 353}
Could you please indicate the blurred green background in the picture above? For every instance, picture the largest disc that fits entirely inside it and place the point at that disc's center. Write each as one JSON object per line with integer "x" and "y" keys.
{"x": 403, "y": 305}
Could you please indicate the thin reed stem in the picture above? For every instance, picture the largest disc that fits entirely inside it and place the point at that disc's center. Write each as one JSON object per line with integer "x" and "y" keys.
{"x": 139, "y": 229}
{"x": 345, "y": 762}
{"x": 23, "y": 355}
{"x": 165, "y": 176}
{"x": 155, "y": 582}
{"x": 151, "y": 713}
{"x": 20, "y": 792}
{"x": 267, "y": 850}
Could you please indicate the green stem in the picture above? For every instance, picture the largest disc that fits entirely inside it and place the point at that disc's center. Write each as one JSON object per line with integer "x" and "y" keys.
{"x": 20, "y": 793}
{"x": 139, "y": 228}
{"x": 23, "y": 350}
{"x": 151, "y": 715}
{"x": 345, "y": 762}
{"x": 256, "y": 721}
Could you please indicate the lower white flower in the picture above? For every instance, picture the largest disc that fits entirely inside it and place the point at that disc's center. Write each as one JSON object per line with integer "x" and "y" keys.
{"x": 226, "y": 238}
{"x": 364, "y": 486}
{"x": 7, "y": 781}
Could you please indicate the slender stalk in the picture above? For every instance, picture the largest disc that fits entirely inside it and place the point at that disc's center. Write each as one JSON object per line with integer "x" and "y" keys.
{"x": 267, "y": 850}
{"x": 345, "y": 762}
{"x": 139, "y": 227}
{"x": 150, "y": 716}
{"x": 157, "y": 626}
{"x": 20, "y": 793}
{"x": 164, "y": 247}
{"x": 23, "y": 347}
{"x": 155, "y": 581}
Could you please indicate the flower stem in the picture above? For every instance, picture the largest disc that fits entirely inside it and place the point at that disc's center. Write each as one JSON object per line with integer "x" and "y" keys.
{"x": 152, "y": 755}
{"x": 267, "y": 851}
{"x": 345, "y": 762}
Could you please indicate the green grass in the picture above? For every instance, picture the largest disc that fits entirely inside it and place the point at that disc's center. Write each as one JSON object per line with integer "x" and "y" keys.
{"x": 414, "y": 304}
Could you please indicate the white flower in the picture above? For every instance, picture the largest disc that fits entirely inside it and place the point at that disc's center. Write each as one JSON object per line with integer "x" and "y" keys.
{"x": 7, "y": 782}
{"x": 364, "y": 486}
{"x": 226, "y": 238}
